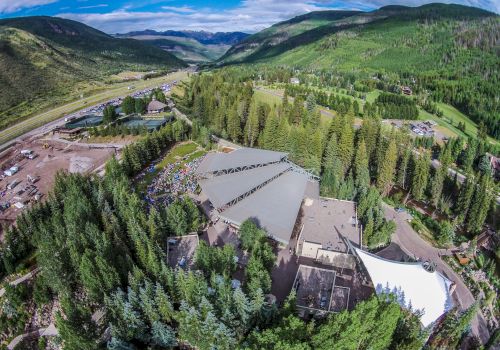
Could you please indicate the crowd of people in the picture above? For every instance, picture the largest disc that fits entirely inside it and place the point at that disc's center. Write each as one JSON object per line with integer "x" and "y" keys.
{"x": 176, "y": 178}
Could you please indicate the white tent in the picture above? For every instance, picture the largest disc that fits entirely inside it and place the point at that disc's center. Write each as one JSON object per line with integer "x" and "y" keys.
{"x": 414, "y": 287}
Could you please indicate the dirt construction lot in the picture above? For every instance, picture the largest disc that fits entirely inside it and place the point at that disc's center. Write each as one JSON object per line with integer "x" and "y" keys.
{"x": 50, "y": 157}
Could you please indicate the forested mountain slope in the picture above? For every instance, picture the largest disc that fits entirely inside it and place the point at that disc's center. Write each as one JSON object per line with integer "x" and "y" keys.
{"x": 450, "y": 50}
{"x": 45, "y": 57}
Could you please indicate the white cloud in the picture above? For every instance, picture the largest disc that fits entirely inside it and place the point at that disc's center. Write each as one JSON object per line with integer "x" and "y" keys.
{"x": 93, "y": 6}
{"x": 182, "y": 9}
{"x": 250, "y": 16}
{"x": 9, "y": 6}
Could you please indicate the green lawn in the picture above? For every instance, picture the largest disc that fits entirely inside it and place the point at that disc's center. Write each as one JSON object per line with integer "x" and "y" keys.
{"x": 177, "y": 152}
{"x": 266, "y": 97}
{"x": 447, "y": 125}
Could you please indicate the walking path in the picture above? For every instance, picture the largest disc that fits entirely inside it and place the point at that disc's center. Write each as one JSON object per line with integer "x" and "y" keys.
{"x": 182, "y": 116}
{"x": 415, "y": 246}
{"x": 51, "y": 330}
{"x": 21, "y": 279}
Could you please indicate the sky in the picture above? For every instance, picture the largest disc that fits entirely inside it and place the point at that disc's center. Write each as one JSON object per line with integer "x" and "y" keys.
{"x": 121, "y": 16}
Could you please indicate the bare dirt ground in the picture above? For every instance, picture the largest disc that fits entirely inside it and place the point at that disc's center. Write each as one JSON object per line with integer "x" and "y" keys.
{"x": 52, "y": 156}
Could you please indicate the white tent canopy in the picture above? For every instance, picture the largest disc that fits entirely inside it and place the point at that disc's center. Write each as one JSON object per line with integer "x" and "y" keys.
{"x": 415, "y": 287}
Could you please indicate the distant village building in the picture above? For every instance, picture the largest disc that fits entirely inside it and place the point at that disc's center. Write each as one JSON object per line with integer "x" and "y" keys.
{"x": 407, "y": 90}
{"x": 294, "y": 81}
{"x": 494, "y": 164}
{"x": 155, "y": 107}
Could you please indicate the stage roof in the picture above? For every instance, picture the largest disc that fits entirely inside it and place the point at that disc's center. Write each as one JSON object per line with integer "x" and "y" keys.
{"x": 274, "y": 207}
{"x": 413, "y": 285}
{"x": 238, "y": 158}
{"x": 223, "y": 189}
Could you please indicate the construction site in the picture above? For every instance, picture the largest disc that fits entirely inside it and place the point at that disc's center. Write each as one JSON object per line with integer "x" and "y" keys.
{"x": 28, "y": 167}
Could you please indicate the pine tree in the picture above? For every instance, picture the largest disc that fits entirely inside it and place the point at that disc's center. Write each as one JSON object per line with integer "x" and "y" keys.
{"x": 402, "y": 172}
{"x": 469, "y": 155}
{"x": 162, "y": 335}
{"x": 420, "y": 175}
{"x": 252, "y": 127}
{"x": 233, "y": 124}
{"x": 465, "y": 198}
{"x": 481, "y": 203}
{"x": 346, "y": 144}
{"x": 452, "y": 329}
{"x": 76, "y": 328}
{"x": 437, "y": 184}
{"x": 269, "y": 132}
{"x": 177, "y": 218}
{"x": 387, "y": 169}
{"x": 281, "y": 139}
{"x": 361, "y": 171}
{"x": 369, "y": 326}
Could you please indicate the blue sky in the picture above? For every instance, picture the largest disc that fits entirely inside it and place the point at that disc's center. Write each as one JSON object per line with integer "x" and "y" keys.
{"x": 119, "y": 16}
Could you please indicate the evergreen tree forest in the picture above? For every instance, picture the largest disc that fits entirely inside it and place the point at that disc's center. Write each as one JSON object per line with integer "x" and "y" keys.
{"x": 365, "y": 164}
{"x": 111, "y": 259}
{"x": 101, "y": 251}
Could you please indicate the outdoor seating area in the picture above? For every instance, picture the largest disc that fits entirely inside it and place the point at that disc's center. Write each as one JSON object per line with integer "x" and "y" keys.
{"x": 173, "y": 179}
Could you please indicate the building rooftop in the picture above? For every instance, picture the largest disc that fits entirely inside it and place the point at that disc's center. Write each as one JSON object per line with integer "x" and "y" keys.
{"x": 274, "y": 207}
{"x": 224, "y": 188}
{"x": 415, "y": 286}
{"x": 240, "y": 159}
{"x": 326, "y": 220}
{"x": 156, "y": 105}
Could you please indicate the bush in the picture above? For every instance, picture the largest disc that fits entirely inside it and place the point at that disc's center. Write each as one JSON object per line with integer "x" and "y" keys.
{"x": 41, "y": 291}
{"x": 446, "y": 233}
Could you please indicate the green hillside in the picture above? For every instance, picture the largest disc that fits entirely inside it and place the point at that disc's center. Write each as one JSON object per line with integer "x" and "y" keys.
{"x": 451, "y": 51}
{"x": 281, "y": 32}
{"x": 186, "y": 49}
{"x": 43, "y": 60}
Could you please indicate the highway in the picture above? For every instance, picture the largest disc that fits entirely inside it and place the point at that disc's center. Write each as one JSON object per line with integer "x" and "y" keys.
{"x": 45, "y": 121}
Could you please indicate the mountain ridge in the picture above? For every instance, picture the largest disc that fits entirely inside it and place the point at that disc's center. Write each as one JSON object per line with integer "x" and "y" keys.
{"x": 326, "y": 22}
{"x": 44, "y": 59}
{"x": 451, "y": 51}
{"x": 204, "y": 37}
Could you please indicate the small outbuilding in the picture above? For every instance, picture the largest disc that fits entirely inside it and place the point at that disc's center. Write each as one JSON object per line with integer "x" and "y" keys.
{"x": 155, "y": 107}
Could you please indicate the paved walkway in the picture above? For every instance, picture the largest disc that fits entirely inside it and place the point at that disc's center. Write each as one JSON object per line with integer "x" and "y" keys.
{"x": 182, "y": 116}
{"x": 21, "y": 279}
{"x": 41, "y": 332}
{"x": 415, "y": 246}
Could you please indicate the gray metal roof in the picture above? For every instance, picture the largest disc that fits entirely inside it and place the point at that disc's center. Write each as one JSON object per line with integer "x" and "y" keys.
{"x": 326, "y": 220}
{"x": 237, "y": 159}
{"x": 225, "y": 188}
{"x": 274, "y": 207}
